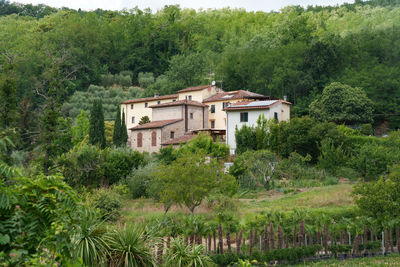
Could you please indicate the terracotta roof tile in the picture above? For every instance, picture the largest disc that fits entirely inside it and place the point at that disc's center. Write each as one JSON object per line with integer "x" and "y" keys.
{"x": 178, "y": 103}
{"x": 146, "y": 99}
{"x": 194, "y": 88}
{"x": 154, "y": 124}
{"x": 226, "y": 96}
{"x": 182, "y": 139}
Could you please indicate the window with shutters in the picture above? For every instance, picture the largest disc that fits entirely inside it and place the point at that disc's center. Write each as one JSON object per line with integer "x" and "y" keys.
{"x": 212, "y": 124}
{"x": 153, "y": 138}
{"x": 133, "y": 119}
{"x": 244, "y": 117}
{"x": 131, "y": 106}
{"x": 212, "y": 108}
{"x": 139, "y": 139}
{"x": 191, "y": 115}
{"x": 146, "y": 105}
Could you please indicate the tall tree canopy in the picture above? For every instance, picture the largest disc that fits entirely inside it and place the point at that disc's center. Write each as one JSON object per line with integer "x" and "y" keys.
{"x": 342, "y": 103}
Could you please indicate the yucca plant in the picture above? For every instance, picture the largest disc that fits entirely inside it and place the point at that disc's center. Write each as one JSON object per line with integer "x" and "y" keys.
{"x": 182, "y": 255}
{"x": 89, "y": 239}
{"x": 129, "y": 247}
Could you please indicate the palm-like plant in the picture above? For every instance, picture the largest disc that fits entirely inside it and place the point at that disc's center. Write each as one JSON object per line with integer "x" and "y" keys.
{"x": 89, "y": 239}
{"x": 130, "y": 247}
{"x": 181, "y": 255}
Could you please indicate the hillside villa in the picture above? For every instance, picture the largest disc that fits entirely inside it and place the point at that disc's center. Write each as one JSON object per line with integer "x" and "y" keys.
{"x": 177, "y": 118}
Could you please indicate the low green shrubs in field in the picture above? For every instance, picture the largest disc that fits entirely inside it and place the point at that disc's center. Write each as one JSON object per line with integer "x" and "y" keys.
{"x": 290, "y": 255}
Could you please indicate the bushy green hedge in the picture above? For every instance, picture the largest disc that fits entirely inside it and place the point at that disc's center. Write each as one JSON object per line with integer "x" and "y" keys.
{"x": 288, "y": 254}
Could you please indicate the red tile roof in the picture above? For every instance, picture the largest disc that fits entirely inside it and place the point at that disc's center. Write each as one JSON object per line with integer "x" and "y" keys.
{"x": 226, "y": 96}
{"x": 194, "y": 88}
{"x": 182, "y": 139}
{"x": 155, "y": 124}
{"x": 255, "y": 104}
{"x": 146, "y": 99}
{"x": 178, "y": 103}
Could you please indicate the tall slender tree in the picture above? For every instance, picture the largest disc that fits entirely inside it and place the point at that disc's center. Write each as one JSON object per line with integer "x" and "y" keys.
{"x": 117, "y": 129}
{"x": 96, "y": 130}
{"x": 124, "y": 131}
{"x": 8, "y": 100}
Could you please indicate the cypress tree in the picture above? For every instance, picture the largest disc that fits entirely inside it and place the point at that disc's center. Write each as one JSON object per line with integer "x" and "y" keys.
{"x": 96, "y": 129}
{"x": 117, "y": 129}
{"x": 124, "y": 131}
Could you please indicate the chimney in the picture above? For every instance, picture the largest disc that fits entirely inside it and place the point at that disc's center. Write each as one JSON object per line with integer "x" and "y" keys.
{"x": 284, "y": 98}
{"x": 156, "y": 94}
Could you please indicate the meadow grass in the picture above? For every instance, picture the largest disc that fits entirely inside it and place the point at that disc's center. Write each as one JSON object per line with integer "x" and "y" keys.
{"x": 390, "y": 260}
{"x": 327, "y": 199}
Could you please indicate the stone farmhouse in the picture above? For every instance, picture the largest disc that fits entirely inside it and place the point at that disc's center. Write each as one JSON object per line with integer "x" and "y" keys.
{"x": 179, "y": 117}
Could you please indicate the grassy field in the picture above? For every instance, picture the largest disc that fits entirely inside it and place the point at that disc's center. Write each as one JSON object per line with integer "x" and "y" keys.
{"x": 326, "y": 198}
{"x": 390, "y": 260}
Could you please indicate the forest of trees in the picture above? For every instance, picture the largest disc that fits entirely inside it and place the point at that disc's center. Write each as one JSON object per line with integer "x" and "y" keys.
{"x": 66, "y": 173}
{"x": 294, "y": 52}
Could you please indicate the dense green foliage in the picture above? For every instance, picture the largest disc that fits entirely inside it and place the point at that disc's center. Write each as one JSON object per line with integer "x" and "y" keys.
{"x": 341, "y": 103}
{"x": 90, "y": 166}
{"x": 96, "y": 128}
{"x": 295, "y": 52}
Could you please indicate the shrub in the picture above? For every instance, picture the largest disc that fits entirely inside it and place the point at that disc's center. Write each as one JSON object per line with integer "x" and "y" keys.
{"x": 181, "y": 255}
{"x": 108, "y": 201}
{"x": 129, "y": 246}
{"x": 119, "y": 162}
{"x": 331, "y": 156}
{"x": 138, "y": 180}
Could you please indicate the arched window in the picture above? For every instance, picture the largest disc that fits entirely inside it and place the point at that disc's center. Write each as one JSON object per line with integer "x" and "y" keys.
{"x": 153, "y": 138}
{"x": 139, "y": 139}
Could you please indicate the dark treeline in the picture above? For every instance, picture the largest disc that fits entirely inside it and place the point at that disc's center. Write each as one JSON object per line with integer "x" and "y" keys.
{"x": 294, "y": 52}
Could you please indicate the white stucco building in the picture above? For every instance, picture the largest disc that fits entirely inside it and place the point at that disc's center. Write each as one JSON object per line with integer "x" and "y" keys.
{"x": 247, "y": 113}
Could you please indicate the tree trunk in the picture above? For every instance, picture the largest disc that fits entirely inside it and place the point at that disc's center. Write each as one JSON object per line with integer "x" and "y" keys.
{"x": 280, "y": 237}
{"x": 160, "y": 249}
{"x": 215, "y": 243}
{"x": 267, "y": 186}
{"x": 220, "y": 240}
{"x": 209, "y": 244}
{"x": 371, "y": 233}
{"x": 266, "y": 244}
{"x": 301, "y": 234}
{"x": 191, "y": 240}
{"x": 286, "y": 241}
{"x": 397, "y": 239}
{"x": 341, "y": 238}
{"x": 238, "y": 242}
{"x": 311, "y": 239}
{"x": 356, "y": 242}
{"x": 325, "y": 239}
{"x": 318, "y": 238}
{"x": 271, "y": 235}
{"x": 228, "y": 240}
{"x": 386, "y": 241}
{"x": 251, "y": 242}
{"x": 295, "y": 236}
{"x": 255, "y": 238}
{"x": 168, "y": 242}
{"x": 391, "y": 239}
{"x": 365, "y": 234}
